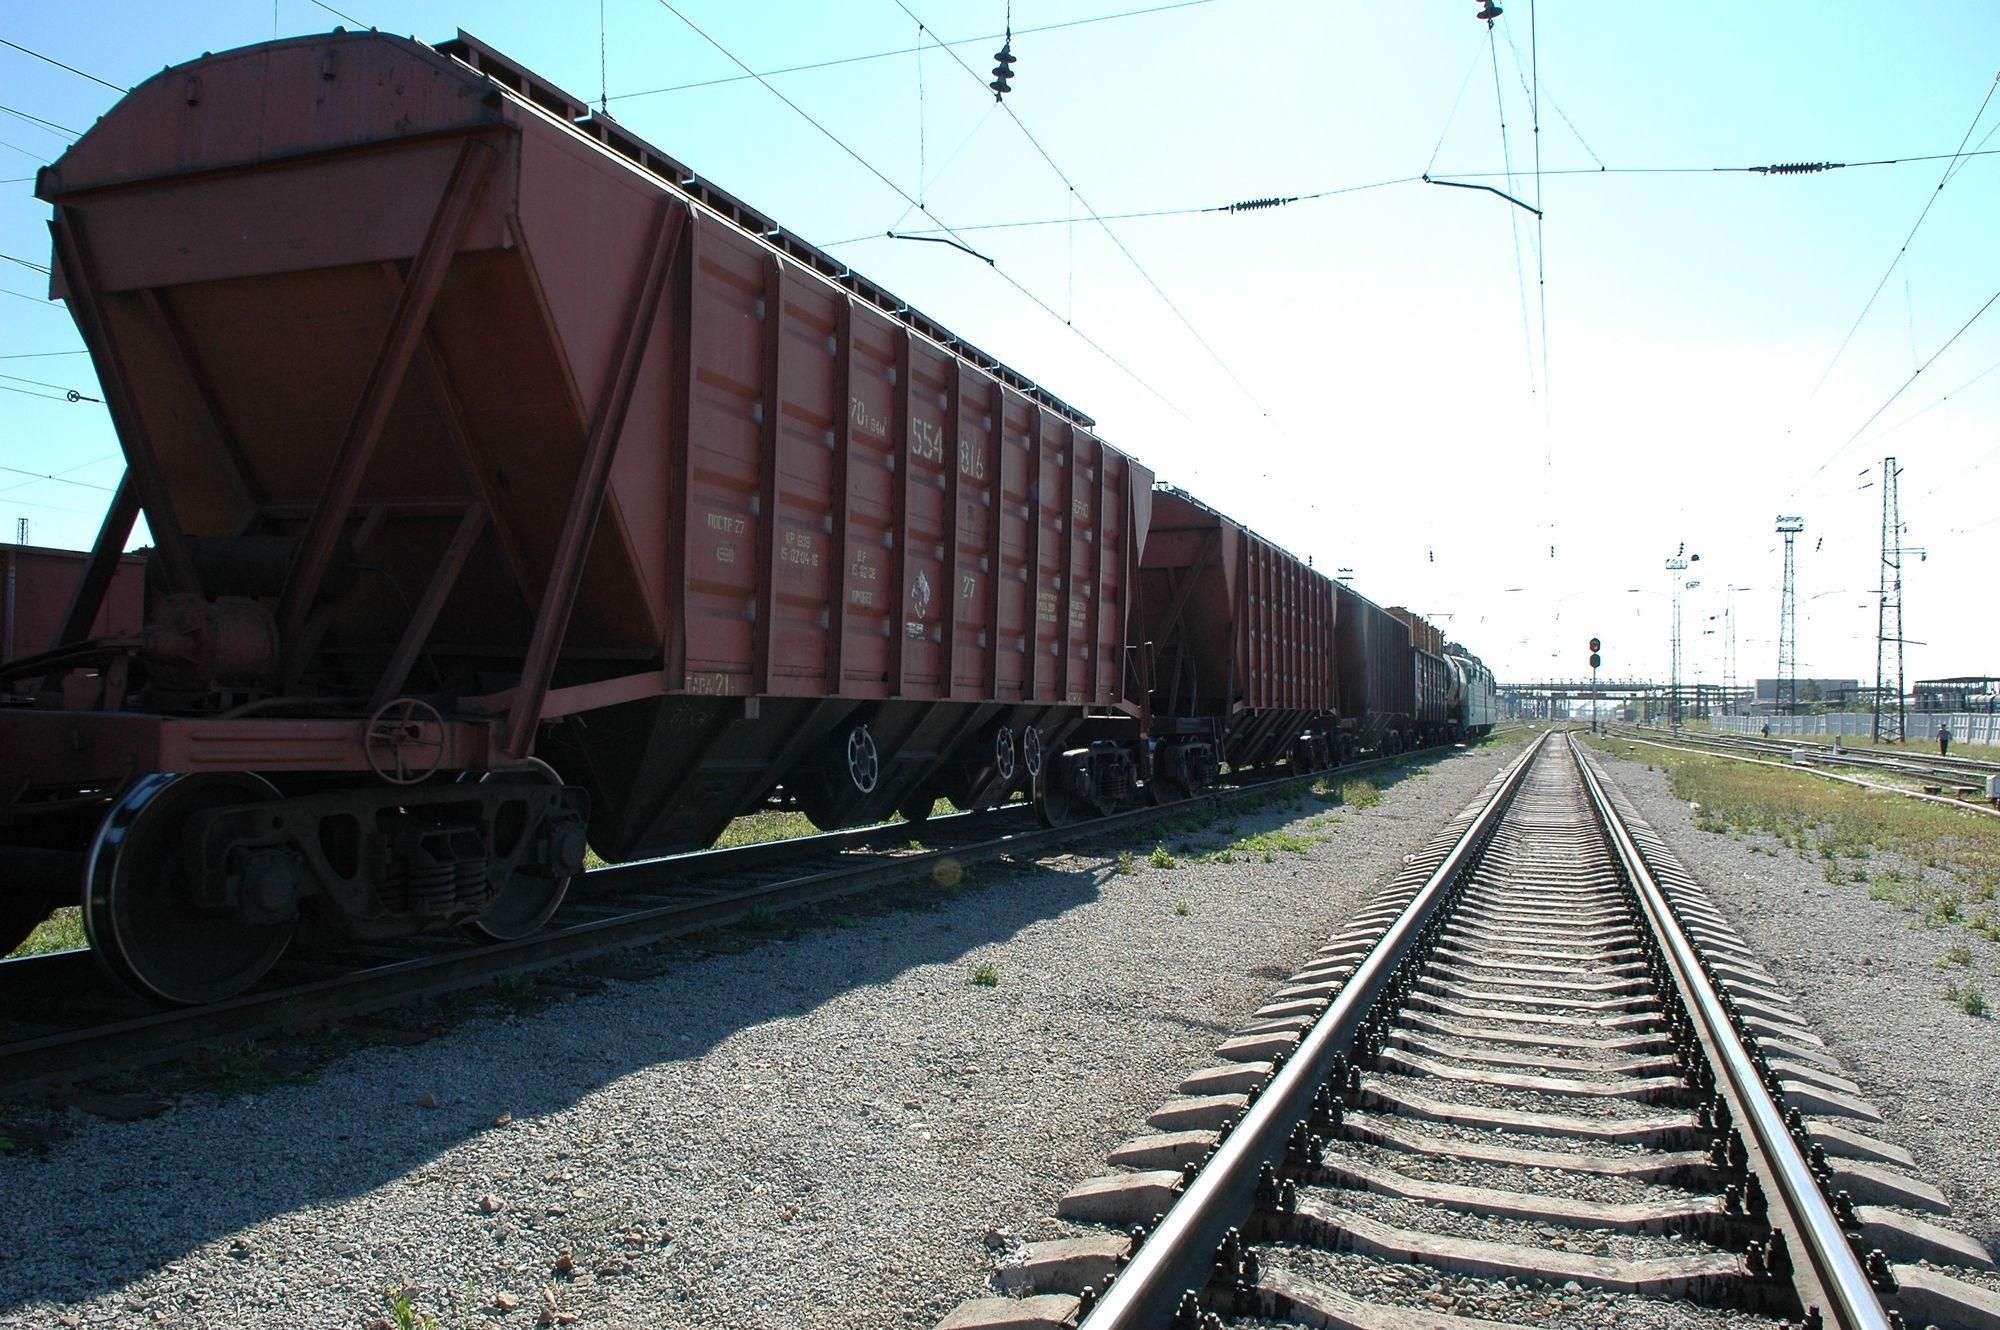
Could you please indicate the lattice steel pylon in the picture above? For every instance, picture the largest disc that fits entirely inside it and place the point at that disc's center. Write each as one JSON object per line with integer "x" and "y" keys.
{"x": 1889, "y": 611}
{"x": 1788, "y": 622}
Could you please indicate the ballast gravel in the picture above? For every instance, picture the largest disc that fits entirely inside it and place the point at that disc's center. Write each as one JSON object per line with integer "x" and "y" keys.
{"x": 1868, "y": 979}
{"x": 835, "y": 1129}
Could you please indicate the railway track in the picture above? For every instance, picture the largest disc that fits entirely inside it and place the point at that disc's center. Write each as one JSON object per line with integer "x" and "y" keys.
{"x": 1922, "y": 778}
{"x": 1539, "y": 1082}
{"x": 1899, "y": 761}
{"x": 65, "y": 1023}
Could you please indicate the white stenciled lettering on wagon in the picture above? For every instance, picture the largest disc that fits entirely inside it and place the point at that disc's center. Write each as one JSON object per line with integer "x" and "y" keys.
{"x": 861, "y": 418}
{"x": 728, "y": 523}
{"x": 926, "y": 440}
{"x": 798, "y": 549}
{"x": 971, "y": 461}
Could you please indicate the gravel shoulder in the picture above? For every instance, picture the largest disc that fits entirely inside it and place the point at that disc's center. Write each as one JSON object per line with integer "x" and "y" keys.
{"x": 824, "y": 1130}
{"x": 1868, "y": 978}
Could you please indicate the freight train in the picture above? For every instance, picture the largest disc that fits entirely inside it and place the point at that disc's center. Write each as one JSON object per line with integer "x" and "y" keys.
{"x": 513, "y": 490}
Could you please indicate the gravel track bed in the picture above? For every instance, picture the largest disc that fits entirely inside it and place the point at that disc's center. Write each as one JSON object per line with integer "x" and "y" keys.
{"x": 1532, "y": 1029}
{"x": 1427, "y": 1218}
{"x": 1527, "y": 1101}
{"x": 1575, "y": 1062}
{"x": 1509, "y": 1177}
{"x": 1517, "y": 1140}
{"x": 1516, "y": 989}
{"x": 1566, "y": 1307}
{"x": 821, "y": 1130}
{"x": 1573, "y": 1068}
{"x": 1866, "y": 979}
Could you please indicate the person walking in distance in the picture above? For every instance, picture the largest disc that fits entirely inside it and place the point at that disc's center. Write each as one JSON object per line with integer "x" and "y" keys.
{"x": 1944, "y": 738}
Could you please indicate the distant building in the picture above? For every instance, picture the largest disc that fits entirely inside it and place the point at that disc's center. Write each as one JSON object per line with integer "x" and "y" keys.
{"x": 1811, "y": 692}
{"x": 1970, "y": 692}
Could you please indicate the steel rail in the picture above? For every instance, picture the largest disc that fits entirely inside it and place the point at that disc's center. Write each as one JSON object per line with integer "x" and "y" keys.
{"x": 78, "y": 1054}
{"x": 1851, "y": 1301}
{"x": 1820, "y": 769}
{"x": 1179, "y": 1253}
{"x": 1905, "y": 760}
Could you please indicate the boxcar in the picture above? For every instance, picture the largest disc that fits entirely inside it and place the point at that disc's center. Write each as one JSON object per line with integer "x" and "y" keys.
{"x": 1375, "y": 675}
{"x": 1236, "y": 637}
{"x": 513, "y": 487}
{"x": 42, "y": 584}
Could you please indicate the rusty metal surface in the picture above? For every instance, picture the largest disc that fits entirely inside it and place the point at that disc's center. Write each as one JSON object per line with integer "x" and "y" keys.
{"x": 1372, "y": 660}
{"x": 37, "y": 584}
{"x": 1255, "y": 622}
{"x": 248, "y": 352}
{"x": 370, "y": 304}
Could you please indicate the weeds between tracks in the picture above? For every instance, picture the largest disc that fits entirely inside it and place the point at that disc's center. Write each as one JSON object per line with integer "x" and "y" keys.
{"x": 1940, "y": 864}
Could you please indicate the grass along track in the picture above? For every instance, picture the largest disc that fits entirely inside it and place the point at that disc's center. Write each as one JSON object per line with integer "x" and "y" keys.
{"x": 1379, "y": 1133}
{"x": 1937, "y": 861}
{"x": 645, "y": 905}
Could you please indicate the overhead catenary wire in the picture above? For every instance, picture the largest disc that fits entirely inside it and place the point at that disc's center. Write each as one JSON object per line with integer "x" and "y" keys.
{"x": 37, "y": 120}
{"x": 1103, "y": 225}
{"x": 1901, "y": 250}
{"x": 51, "y": 60}
{"x": 909, "y": 50}
{"x": 1513, "y": 223}
{"x": 1541, "y": 217}
{"x": 337, "y": 13}
{"x": 1239, "y": 206}
{"x": 904, "y": 194}
{"x": 1452, "y": 116}
{"x": 25, "y": 263}
{"x": 1434, "y": 177}
{"x": 59, "y": 478}
{"x": 1904, "y": 387}
{"x": 39, "y": 478}
{"x": 43, "y": 301}
{"x": 1764, "y": 169}
{"x": 54, "y": 394}
{"x": 1538, "y": 93}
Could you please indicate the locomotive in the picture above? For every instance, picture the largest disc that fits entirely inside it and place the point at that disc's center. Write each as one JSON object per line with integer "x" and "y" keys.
{"x": 514, "y": 490}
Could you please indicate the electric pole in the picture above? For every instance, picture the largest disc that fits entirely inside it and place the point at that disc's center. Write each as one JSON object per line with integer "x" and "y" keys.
{"x": 1889, "y": 607}
{"x": 1788, "y": 622}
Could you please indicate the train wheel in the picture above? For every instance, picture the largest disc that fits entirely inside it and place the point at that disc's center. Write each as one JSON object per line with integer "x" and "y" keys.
{"x": 140, "y": 910}
{"x": 525, "y": 901}
{"x": 916, "y": 809}
{"x": 1056, "y": 807}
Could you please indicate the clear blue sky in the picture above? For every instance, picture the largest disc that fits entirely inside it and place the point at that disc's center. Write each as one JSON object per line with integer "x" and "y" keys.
{"x": 1375, "y": 398}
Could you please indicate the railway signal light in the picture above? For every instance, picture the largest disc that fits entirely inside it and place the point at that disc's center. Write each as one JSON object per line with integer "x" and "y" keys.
{"x": 1003, "y": 69}
{"x": 1595, "y": 660}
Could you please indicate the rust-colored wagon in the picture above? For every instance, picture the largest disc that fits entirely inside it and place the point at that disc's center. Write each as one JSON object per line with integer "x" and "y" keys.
{"x": 512, "y": 488}
{"x": 1239, "y": 641}
{"x": 1376, "y": 675}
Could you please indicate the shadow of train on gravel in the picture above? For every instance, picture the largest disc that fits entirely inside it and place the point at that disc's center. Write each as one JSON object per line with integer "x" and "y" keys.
{"x": 113, "y": 1203}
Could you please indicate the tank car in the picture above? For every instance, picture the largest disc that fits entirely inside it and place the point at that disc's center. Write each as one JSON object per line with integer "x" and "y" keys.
{"x": 513, "y": 489}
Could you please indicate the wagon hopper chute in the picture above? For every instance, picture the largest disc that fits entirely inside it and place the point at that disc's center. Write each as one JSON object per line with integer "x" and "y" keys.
{"x": 511, "y": 486}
